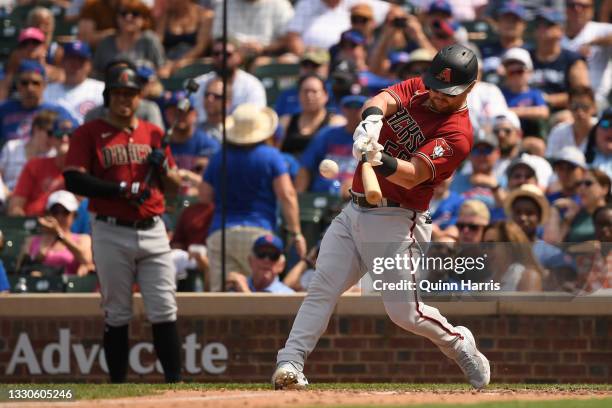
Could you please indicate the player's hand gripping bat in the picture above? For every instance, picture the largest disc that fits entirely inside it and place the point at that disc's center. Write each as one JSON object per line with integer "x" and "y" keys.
{"x": 191, "y": 87}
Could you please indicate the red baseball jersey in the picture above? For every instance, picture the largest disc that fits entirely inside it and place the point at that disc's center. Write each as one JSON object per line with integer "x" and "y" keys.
{"x": 39, "y": 178}
{"x": 416, "y": 132}
{"x": 113, "y": 154}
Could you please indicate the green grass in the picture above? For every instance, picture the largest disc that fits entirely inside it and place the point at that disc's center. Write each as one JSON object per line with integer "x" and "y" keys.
{"x": 97, "y": 391}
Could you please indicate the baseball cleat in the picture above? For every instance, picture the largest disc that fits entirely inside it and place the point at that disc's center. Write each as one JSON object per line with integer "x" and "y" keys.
{"x": 471, "y": 361}
{"x": 288, "y": 377}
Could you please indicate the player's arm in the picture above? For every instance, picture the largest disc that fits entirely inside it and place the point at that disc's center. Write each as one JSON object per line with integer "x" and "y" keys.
{"x": 386, "y": 103}
{"x": 81, "y": 183}
{"x": 405, "y": 173}
{"x": 171, "y": 182}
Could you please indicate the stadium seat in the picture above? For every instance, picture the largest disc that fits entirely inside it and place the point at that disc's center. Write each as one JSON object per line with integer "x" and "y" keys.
{"x": 479, "y": 31}
{"x": 192, "y": 70}
{"x": 81, "y": 284}
{"x": 316, "y": 212}
{"x": 47, "y": 284}
{"x": 277, "y": 77}
{"x": 172, "y": 83}
{"x": 28, "y": 224}
{"x": 13, "y": 241}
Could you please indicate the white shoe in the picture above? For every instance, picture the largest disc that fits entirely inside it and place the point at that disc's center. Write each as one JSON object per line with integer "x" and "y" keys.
{"x": 288, "y": 376}
{"x": 471, "y": 361}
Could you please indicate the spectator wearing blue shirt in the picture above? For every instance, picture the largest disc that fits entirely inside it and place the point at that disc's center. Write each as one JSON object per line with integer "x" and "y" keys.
{"x": 191, "y": 147}
{"x": 256, "y": 179}
{"x": 444, "y": 208}
{"x": 16, "y": 114}
{"x": 266, "y": 263}
{"x": 528, "y": 103}
{"x": 334, "y": 143}
{"x": 569, "y": 165}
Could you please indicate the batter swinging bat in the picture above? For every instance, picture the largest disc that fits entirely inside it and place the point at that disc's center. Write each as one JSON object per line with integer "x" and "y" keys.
{"x": 370, "y": 182}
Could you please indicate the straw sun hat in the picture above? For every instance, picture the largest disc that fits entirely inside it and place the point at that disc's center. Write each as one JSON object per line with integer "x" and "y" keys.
{"x": 250, "y": 124}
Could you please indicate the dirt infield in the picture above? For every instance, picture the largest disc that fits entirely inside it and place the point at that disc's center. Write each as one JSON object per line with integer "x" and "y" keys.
{"x": 260, "y": 399}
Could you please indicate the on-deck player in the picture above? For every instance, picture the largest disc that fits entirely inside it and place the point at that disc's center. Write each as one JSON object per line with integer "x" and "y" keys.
{"x": 108, "y": 161}
{"x": 416, "y": 133}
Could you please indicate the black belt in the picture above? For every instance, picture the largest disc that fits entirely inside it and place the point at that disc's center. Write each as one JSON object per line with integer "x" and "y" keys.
{"x": 361, "y": 201}
{"x": 144, "y": 224}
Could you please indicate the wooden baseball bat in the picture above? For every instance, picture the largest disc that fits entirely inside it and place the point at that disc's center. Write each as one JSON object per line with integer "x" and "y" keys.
{"x": 370, "y": 182}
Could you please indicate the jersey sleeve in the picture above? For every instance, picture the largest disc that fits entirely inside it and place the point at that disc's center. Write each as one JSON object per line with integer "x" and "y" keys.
{"x": 403, "y": 91}
{"x": 80, "y": 153}
{"x": 444, "y": 154}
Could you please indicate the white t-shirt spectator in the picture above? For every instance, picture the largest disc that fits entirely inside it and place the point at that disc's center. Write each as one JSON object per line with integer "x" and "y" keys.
{"x": 321, "y": 27}
{"x": 563, "y": 135}
{"x": 246, "y": 88}
{"x": 463, "y": 10}
{"x": 261, "y": 21}
{"x": 600, "y": 59}
{"x": 12, "y": 159}
{"x": 485, "y": 102}
{"x": 78, "y": 100}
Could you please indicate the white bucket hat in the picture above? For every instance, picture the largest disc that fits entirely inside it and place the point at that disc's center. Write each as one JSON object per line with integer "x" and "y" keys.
{"x": 250, "y": 124}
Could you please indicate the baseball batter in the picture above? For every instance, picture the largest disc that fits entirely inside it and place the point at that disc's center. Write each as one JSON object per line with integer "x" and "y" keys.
{"x": 108, "y": 161}
{"x": 415, "y": 134}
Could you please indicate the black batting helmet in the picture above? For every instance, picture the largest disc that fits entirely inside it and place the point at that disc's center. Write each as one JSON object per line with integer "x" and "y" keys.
{"x": 452, "y": 70}
{"x": 121, "y": 77}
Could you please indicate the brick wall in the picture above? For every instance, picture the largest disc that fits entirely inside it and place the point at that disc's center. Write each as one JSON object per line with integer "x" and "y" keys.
{"x": 365, "y": 348}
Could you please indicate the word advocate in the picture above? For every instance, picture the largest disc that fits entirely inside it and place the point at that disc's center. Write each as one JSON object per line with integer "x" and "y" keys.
{"x": 56, "y": 357}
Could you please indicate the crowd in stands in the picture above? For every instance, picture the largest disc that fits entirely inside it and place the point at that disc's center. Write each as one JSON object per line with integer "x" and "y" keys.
{"x": 298, "y": 73}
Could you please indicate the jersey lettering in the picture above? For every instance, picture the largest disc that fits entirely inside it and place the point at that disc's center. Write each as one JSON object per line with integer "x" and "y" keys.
{"x": 409, "y": 134}
{"x": 117, "y": 155}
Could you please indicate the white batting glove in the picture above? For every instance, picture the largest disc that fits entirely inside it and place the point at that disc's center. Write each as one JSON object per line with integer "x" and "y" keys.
{"x": 369, "y": 127}
{"x": 359, "y": 146}
{"x": 374, "y": 153}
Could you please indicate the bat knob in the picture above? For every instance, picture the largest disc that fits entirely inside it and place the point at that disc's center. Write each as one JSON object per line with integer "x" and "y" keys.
{"x": 192, "y": 85}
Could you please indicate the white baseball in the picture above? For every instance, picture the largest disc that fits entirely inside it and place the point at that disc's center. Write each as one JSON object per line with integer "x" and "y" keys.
{"x": 329, "y": 169}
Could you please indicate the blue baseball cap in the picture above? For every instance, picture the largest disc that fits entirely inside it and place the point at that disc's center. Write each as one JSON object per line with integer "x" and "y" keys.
{"x": 551, "y": 15}
{"x": 440, "y": 6}
{"x": 63, "y": 125}
{"x": 399, "y": 57}
{"x": 32, "y": 66}
{"x": 353, "y": 101}
{"x": 172, "y": 98}
{"x": 513, "y": 8}
{"x": 270, "y": 241}
{"x": 78, "y": 49}
{"x": 145, "y": 72}
{"x": 353, "y": 36}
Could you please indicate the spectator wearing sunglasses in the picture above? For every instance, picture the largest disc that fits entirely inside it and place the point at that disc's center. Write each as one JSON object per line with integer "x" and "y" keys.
{"x": 583, "y": 108}
{"x": 473, "y": 217}
{"x": 133, "y": 38}
{"x": 594, "y": 192}
{"x": 569, "y": 165}
{"x": 479, "y": 181}
{"x": 599, "y": 145}
{"x": 56, "y": 246}
{"x": 16, "y": 114}
{"x": 213, "y": 104}
{"x": 266, "y": 262}
{"x": 593, "y": 40}
{"x": 16, "y": 153}
{"x": 42, "y": 175}
{"x": 191, "y": 147}
{"x": 246, "y": 88}
{"x": 528, "y": 103}
{"x": 556, "y": 69}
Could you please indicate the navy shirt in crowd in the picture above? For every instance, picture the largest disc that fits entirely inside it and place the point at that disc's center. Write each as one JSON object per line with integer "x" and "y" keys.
{"x": 553, "y": 76}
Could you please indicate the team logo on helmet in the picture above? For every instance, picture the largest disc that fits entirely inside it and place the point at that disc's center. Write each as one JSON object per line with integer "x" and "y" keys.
{"x": 441, "y": 149}
{"x": 124, "y": 78}
{"x": 444, "y": 75}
